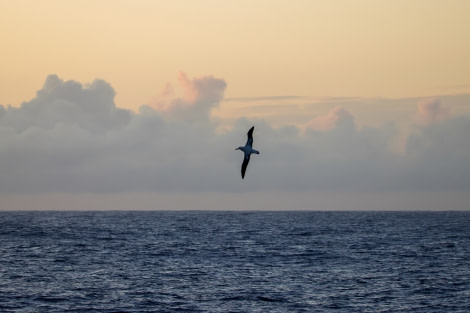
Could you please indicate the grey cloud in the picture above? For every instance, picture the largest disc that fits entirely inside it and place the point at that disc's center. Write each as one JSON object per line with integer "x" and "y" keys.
{"x": 91, "y": 107}
{"x": 72, "y": 138}
{"x": 438, "y": 156}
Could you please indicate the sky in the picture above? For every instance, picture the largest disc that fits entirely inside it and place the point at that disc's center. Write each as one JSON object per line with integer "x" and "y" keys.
{"x": 357, "y": 105}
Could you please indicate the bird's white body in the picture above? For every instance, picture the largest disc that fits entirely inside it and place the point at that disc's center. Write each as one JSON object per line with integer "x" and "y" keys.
{"x": 248, "y": 150}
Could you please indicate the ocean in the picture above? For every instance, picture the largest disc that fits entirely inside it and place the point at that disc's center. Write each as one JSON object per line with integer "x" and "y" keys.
{"x": 198, "y": 261}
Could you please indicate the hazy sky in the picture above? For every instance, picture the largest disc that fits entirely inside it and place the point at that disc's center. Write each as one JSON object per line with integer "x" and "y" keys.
{"x": 140, "y": 104}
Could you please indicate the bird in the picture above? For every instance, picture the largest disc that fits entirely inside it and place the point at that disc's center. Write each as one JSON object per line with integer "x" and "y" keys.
{"x": 248, "y": 150}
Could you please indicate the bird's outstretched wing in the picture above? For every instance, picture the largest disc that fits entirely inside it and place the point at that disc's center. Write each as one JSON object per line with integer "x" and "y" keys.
{"x": 249, "y": 142}
{"x": 244, "y": 165}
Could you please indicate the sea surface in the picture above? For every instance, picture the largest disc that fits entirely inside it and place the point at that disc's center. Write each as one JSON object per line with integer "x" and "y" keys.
{"x": 235, "y": 262}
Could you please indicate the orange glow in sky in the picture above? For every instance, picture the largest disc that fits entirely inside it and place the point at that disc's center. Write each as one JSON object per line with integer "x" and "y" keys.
{"x": 261, "y": 48}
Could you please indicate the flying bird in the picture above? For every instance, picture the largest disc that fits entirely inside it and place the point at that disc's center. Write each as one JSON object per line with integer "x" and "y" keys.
{"x": 248, "y": 150}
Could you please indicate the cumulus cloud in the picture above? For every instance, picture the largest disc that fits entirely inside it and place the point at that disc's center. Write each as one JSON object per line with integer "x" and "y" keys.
{"x": 88, "y": 107}
{"x": 431, "y": 111}
{"x": 201, "y": 95}
{"x": 72, "y": 138}
{"x": 336, "y": 117}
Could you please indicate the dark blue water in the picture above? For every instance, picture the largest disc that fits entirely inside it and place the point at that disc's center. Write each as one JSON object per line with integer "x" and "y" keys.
{"x": 234, "y": 262}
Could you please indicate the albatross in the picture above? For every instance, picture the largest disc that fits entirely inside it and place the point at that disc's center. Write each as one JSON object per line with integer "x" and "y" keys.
{"x": 248, "y": 150}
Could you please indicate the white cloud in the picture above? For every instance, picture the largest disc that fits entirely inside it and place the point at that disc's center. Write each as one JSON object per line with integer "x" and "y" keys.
{"x": 72, "y": 138}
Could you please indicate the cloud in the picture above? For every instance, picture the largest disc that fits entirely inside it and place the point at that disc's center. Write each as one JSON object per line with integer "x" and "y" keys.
{"x": 72, "y": 138}
{"x": 91, "y": 107}
{"x": 337, "y": 117}
{"x": 430, "y": 111}
{"x": 437, "y": 157}
{"x": 201, "y": 95}
{"x": 257, "y": 99}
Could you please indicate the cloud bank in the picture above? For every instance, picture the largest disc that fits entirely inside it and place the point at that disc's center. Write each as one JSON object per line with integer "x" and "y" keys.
{"x": 71, "y": 138}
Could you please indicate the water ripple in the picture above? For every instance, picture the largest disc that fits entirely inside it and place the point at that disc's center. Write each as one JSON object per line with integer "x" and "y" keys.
{"x": 234, "y": 262}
